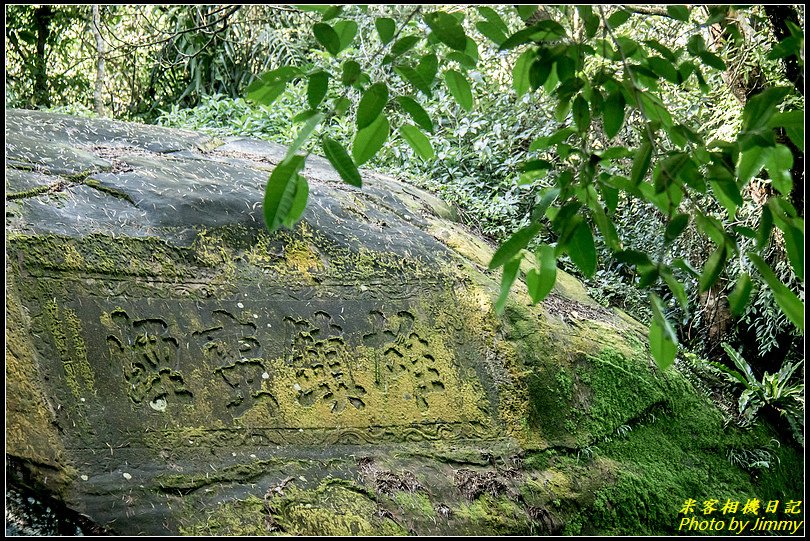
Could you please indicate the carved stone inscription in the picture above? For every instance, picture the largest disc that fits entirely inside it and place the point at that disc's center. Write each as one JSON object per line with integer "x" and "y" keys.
{"x": 284, "y": 365}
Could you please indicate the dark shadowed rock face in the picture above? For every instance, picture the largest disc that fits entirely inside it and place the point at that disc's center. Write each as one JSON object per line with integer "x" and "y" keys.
{"x": 174, "y": 368}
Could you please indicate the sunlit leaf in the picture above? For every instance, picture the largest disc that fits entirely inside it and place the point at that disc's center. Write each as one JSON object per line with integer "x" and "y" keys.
{"x": 460, "y": 89}
{"x": 778, "y": 163}
{"x": 513, "y": 245}
{"x": 510, "y": 270}
{"x": 520, "y": 72}
{"x": 385, "y": 28}
{"x": 541, "y": 282}
{"x": 346, "y": 30}
{"x": 738, "y": 298}
{"x": 299, "y": 202}
{"x": 342, "y": 162}
{"x": 303, "y": 134}
{"x": 327, "y": 37}
{"x": 447, "y": 29}
{"x": 317, "y": 88}
{"x": 280, "y": 191}
{"x": 368, "y": 141}
{"x": 789, "y": 303}
{"x": 582, "y": 250}
{"x": 416, "y": 112}
{"x": 642, "y": 163}
{"x": 371, "y": 104}
{"x": 418, "y": 141}
{"x": 712, "y": 269}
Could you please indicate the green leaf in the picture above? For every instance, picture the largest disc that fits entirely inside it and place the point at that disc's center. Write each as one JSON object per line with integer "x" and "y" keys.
{"x": 518, "y": 38}
{"x": 491, "y": 31}
{"x": 460, "y": 89}
{"x": 760, "y": 108}
{"x": 368, "y": 141}
{"x": 304, "y": 115}
{"x": 271, "y": 84}
{"x": 712, "y": 269}
{"x": 664, "y": 68}
{"x": 653, "y": 109}
{"x": 520, "y": 73}
{"x": 385, "y": 28}
{"x": 581, "y": 249}
{"x": 331, "y": 13}
{"x": 548, "y": 197}
{"x": 341, "y": 161}
{"x": 415, "y": 78}
{"x": 342, "y": 105}
{"x": 514, "y": 244}
{"x": 582, "y": 114}
{"x": 539, "y": 73}
{"x": 779, "y": 163}
{"x": 327, "y": 37}
{"x": 416, "y": 112}
{"x": 680, "y": 13}
{"x": 604, "y": 224}
{"x": 662, "y": 348}
{"x": 303, "y": 134}
{"x": 794, "y": 246}
{"x": 404, "y": 44}
{"x": 566, "y": 68}
{"x": 427, "y": 68}
{"x": 371, "y": 104}
{"x": 280, "y": 75}
{"x": 750, "y": 163}
{"x": 613, "y": 114}
{"x": 345, "y": 30}
{"x": 677, "y": 289}
{"x": 712, "y": 60}
{"x": 641, "y": 164}
{"x": 462, "y": 59}
{"x": 789, "y": 46}
{"x": 510, "y": 271}
{"x": 542, "y": 143}
{"x": 263, "y": 93}
{"x": 684, "y": 265}
{"x": 492, "y": 16}
{"x": 728, "y": 195}
{"x": 793, "y": 123}
{"x": 696, "y": 45}
{"x": 739, "y": 297}
{"x": 299, "y": 202}
{"x": 418, "y": 141}
{"x": 663, "y": 340}
{"x": 765, "y": 227}
{"x": 788, "y": 302}
{"x": 618, "y": 18}
{"x": 675, "y": 227}
{"x": 447, "y": 29}
{"x": 280, "y": 191}
{"x": 540, "y": 283}
{"x": 525, "y": 10}
{"x": 662, "y": 50}
{"x": 633, "y": 257}
{"x": 351, "y": 72}
{"x": 317, "y": 88}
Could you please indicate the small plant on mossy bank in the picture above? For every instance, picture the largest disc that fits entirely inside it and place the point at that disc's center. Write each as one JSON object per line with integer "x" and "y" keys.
{"x": 752, "y": 459}
{"x": 774, "y": 390}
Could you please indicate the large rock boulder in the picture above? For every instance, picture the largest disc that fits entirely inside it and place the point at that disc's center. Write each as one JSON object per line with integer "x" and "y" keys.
{"x": 174, "y": 368}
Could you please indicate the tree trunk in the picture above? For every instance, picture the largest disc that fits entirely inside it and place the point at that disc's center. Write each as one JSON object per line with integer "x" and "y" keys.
{"x": 42, "y": 25}
{"x": 98, "y": 93}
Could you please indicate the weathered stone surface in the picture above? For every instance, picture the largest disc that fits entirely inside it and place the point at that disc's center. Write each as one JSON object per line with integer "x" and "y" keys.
{"x": 174, "y": 368}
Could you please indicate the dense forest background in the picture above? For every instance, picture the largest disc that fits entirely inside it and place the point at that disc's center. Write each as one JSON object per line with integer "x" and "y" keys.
{"x": 192, "y": 67}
